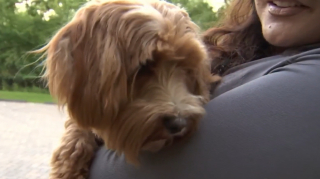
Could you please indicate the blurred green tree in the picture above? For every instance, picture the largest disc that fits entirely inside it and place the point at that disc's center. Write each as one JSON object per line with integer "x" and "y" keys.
{"x": 200, "y": 11}
{"x": 28, "y": 24}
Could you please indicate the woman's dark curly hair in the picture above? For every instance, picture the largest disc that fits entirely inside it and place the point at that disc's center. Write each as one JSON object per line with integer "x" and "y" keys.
{"x": 238, "y": 37}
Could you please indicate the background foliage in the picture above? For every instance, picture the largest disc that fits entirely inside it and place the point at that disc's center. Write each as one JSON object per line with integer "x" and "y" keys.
{"x": 26, "y": 25}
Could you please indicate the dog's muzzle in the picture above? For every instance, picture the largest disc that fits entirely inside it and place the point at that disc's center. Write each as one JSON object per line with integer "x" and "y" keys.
{"x": 175, "y": 125}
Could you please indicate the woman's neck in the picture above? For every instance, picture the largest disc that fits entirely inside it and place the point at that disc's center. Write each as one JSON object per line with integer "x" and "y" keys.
{"x": 294, "y": 49}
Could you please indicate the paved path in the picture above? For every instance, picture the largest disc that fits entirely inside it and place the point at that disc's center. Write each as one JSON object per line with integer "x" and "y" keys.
{"x": 28, "y": 135}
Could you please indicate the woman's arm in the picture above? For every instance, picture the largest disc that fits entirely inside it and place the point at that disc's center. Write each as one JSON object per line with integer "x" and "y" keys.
{"x": 267, "y": 128}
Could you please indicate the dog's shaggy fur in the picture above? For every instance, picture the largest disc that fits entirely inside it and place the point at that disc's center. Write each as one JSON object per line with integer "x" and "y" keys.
{"x": 132, "y": 73}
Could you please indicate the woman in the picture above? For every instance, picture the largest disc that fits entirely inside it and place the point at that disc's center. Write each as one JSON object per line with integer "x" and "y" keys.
{"x": 264, "y": 119}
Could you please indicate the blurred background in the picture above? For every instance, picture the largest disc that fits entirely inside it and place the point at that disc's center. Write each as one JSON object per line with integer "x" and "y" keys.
{"x": 30, "y": 125}
{"x": 26, "y": 25}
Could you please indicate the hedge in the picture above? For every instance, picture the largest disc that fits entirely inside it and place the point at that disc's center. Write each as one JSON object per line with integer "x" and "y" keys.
{"x": 21, "y": 83}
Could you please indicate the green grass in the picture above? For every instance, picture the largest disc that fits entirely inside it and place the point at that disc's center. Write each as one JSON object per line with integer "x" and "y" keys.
{"x": 26, "y": 96}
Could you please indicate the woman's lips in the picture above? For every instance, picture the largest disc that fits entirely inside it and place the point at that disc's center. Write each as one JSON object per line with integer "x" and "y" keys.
{"x": 285, "y": 8}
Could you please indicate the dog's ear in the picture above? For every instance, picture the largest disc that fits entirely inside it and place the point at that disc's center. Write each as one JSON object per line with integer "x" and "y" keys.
{"x": 89, "y": 60}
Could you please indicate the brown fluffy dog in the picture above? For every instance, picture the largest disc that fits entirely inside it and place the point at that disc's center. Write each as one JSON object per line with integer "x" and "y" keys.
{"x": 134, "y": 73}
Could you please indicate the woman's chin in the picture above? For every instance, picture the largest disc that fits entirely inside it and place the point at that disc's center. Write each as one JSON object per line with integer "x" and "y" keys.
{"x": 286, "y": 39}
{"x": 282, "y": 41}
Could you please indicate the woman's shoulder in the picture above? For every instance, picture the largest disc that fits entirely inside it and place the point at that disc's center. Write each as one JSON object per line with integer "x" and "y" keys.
{"x": 299, "y": 59}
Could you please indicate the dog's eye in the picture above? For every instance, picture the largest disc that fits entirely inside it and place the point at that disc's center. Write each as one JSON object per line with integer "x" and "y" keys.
{"x": 147, "y": 67}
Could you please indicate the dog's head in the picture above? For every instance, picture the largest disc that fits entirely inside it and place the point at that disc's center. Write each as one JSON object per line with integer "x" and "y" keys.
{"x": 136, "y": 72}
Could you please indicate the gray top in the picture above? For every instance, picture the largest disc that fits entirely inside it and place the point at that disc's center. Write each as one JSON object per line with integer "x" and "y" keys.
{"x": 264, "y": 122}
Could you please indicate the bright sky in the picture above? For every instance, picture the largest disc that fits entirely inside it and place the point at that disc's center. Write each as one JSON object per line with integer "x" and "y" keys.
{"x": 216, "y": 4}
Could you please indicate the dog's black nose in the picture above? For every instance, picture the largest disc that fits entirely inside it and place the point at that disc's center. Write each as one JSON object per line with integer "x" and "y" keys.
{"x": 174, "y": 124}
